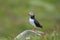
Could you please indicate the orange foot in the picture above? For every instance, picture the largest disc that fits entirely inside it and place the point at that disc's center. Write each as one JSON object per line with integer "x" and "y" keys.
{"x": 33, "y": 29}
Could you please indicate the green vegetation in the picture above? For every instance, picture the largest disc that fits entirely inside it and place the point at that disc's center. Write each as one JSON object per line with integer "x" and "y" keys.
{"x": 13, "y": 18}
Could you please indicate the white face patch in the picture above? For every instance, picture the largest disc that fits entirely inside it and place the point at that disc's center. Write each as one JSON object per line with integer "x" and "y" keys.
{"x": 31, "y": 13}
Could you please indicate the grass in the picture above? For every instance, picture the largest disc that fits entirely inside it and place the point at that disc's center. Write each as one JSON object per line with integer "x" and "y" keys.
{"x": 13, "y": 19}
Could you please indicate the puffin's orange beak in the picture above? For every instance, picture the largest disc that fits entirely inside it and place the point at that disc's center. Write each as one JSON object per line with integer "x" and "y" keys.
{"x": 28, "y": 14}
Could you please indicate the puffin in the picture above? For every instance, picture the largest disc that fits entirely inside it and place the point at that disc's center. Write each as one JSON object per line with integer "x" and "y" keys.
{"x": 33, "y": 21}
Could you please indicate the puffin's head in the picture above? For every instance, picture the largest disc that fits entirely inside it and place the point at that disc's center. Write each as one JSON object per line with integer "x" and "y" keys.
{"x": 31, "y": 14}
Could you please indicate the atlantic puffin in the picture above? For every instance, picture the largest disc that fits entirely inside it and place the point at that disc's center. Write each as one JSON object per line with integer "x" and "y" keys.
{"x": 33, "y": 21}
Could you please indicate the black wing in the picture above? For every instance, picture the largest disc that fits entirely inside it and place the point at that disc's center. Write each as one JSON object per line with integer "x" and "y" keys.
{"x": 37, "y": 23}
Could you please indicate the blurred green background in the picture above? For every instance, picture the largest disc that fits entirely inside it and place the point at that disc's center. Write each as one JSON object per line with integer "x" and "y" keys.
{"x": 14, "y": 18}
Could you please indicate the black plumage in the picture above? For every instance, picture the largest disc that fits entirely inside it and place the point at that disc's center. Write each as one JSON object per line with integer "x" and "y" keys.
{"x": 37, "y": 23}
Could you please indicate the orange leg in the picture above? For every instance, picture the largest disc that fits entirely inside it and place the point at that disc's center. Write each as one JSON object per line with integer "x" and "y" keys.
{"x": 33, "y": 28}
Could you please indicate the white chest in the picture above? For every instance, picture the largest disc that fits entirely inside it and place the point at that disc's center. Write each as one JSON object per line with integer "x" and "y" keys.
{"x": 32, "y": 22}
